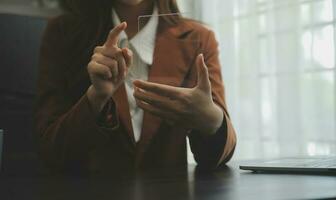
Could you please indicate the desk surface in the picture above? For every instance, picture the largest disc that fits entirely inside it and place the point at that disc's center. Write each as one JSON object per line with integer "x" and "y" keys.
{"x": 228, "y": 183}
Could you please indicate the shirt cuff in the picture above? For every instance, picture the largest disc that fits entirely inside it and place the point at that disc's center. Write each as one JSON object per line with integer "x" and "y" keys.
{"x": 209, "y": 149}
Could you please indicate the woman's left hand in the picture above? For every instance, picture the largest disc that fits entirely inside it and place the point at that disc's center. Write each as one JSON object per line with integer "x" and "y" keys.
{"x": 190, "y": 108}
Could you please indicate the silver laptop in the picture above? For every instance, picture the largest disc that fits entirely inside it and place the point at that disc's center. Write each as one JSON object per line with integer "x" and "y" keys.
{"x": 314, "y": 165}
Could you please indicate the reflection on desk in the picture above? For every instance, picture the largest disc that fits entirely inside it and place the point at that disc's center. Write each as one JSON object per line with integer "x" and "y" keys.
{"x": 183, "y": 183}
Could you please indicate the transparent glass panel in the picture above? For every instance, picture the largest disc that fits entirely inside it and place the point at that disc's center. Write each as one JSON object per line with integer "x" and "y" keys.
{"x": 167, "y": 52}
{"x": 171, "y": 57}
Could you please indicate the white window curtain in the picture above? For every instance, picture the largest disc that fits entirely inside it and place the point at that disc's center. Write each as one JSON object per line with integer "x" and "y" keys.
{"x": 278, "y": 61}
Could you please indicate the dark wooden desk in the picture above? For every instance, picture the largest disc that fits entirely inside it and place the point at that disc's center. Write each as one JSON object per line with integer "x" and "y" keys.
{"x": 228, "y": 183}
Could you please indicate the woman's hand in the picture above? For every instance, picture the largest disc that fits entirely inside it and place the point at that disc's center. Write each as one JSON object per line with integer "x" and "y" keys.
{"x": 108, "y": 69}
{"x": 191, "y": 108}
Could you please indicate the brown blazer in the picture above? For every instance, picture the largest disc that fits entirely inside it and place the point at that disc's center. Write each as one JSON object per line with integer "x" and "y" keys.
{"x": 72, "y": 140}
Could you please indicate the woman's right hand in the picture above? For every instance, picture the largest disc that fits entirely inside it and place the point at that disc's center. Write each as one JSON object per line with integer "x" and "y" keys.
{"x": 108, "y": 69}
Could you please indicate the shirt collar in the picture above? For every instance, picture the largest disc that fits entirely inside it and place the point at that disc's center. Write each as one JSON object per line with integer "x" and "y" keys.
{"x": 144, "y": 41}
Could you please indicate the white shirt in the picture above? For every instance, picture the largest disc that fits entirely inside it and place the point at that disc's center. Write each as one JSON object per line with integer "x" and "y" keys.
{"x": 142, "y": 45}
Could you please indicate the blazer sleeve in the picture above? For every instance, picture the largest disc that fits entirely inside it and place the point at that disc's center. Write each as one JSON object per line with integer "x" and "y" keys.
{"x": 66, "y": 131}
{"x": 215, "y": 150}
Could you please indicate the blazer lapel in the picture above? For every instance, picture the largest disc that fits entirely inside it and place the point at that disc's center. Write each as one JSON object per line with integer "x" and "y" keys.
{"x": 173, "y": 57}
{"x": 121, "y": 101}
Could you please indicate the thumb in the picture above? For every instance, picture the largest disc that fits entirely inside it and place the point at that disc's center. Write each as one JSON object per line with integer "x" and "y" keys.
{"x": 203, "y": 81}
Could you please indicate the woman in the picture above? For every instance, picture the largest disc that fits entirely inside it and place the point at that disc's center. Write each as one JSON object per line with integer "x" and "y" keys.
{"x": 92, "y": 115}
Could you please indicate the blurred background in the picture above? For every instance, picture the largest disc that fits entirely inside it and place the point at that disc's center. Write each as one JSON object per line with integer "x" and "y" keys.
{"x": 278, "y": 64}
{"x": 278, "y": 61}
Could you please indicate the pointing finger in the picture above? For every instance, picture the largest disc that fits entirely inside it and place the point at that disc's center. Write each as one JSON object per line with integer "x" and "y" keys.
{"x": 113, "y": 36}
